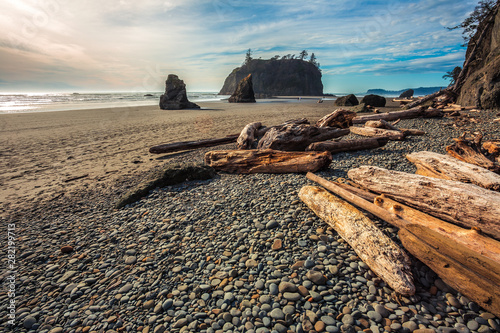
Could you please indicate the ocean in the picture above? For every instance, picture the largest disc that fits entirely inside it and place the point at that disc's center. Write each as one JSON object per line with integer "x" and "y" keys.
{"x": 43, "y": 102}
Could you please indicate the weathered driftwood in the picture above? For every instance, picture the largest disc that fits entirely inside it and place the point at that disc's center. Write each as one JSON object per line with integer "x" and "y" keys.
{"x": 473, "y": 249}
{"x": 411, "y": 131}
{"x": 492, "y": 147}
{"x": 377, "y": 132}
{"x": 377, "y": 250}
{"x": 339, "y": 118}
{"x": 480, "y": 289}
{"x": 266, "y": 161}
{"x": 404, "y": 114}
{"x": 381, "y": 123}
{"x": 446, "y": 167}
{"x": 247, "y": 136}
{"x": 348, "y": 145}
{"x": 261, "y": 131}
{"x": 297, "y": 137}
{"x": 187, "y": 145}
{"x": 427, "y": 98}
{"x": 463, "y": 204}
{"x": 470, "y": 152}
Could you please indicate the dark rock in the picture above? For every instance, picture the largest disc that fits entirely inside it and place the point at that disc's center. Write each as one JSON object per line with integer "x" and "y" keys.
{"x": 482, "y": 81}
{"x": 285, "y": 77}
{"x": 374, "y": 100}
{"x": 66, "y": 249}
{"x": 349, "y": 100}
{"x": 244, "y": 91}
{"x": 175, "y": 96}
{"x": 170, "y": 175}
{"x": 407, "y": 94}
{"x": 148, "y": 95}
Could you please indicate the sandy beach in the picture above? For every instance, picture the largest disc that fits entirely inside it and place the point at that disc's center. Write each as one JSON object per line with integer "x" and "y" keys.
{"x": 43, "y": 152}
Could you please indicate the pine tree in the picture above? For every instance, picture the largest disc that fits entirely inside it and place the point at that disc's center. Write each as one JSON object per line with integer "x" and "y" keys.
{"x": 248, "y": 56}
{"x": 303, "y": 55}
{"x": 483, "y": 8}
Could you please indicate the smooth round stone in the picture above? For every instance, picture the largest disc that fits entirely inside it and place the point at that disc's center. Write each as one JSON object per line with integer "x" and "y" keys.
{"x": 265, "y": 299}
{"x": 29, "y": 321}
{"x": 287, "y": 287}
{"x": 126, "y": 288}
{"x": 472, "y": 325}
{"x": 272, "y": 224}
{"x": 167, "y": 304}
{"x": 375, "y": 316}
{"x": 328, "y": 320}
{"x": 308, "y": 263}
{"x": 292, "y": 296}
{"x": 347, "y": 319}
{"x": 411, "y": 325}
{"x": 382, "y": 310}
{"x": 289, "y": 310}
{"x": 322, "y": 248}
{"x": 130, "y": 260}
{"x": 149, "y": 304}
{"x": 251, "y": 263}
{"x": 395, "y": 326}
{"x": 280, "y": 328}
{"x": 259, "y": 285}
{"x": 277, "y": 314}
{"x": 273, "y": 289}
{"x": 332, "y": 329}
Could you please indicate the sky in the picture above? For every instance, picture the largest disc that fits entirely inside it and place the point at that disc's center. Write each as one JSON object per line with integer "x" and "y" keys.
{"x": 130, "y": 45}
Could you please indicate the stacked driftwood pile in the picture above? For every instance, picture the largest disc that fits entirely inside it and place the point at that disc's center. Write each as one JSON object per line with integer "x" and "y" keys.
{"x": 448, "y": 214}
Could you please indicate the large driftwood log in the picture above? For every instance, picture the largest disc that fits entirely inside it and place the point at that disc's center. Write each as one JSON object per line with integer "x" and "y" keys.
{"x": 247, "y": 136}
{"x": 470, "y": 151}
{"x": 297, "y": 137}
{"x": 377, "y": 250}
{"x": 377, "y": 132}
{"x": 466, "y": 205}
{"x": 404, "y": 114}
{"x": 261, "y": 131}
{"x": 348, "y": 145}
{"x": 483, "y": 291}
{"x": 187, "y": 145}
{"x": 266, "y": 161}
{"x": 446, "y": 167}
{"x": 339, "y": 118}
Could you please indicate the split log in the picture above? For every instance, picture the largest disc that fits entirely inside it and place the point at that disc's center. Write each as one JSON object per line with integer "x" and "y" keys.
{"x": 446, "y": 167}
{"x": 339, "y": 118}
{"x": 470, "y": 152}
{"x": 404, "y": 114}
{"x": 297, "y": 137}
{"x": 466, "y": 205}
{"x": 377, "y": 250}
{"x": 483, "y": 291}
{"x": 266, "y": 161}
{"x": 348, "y": 145}
{"x": 247, "y": 136}
{"x": 187, "y": 145}
{"x": 377, "y": 132}
{"x": 473, "y": 248}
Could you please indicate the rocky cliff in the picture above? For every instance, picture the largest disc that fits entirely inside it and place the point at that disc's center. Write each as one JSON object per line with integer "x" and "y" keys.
{"x": 482, "y": 84}
{"x": 285, "y": 77}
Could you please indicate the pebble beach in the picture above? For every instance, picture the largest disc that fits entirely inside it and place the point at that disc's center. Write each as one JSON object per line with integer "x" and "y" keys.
{"x": 237, "y": 253}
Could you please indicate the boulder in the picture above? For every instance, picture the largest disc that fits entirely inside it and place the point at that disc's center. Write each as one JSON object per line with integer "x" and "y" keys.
{"x": 349, "y": 100}
{"x": 481, "y": 87}
{"x": 175, "y": 96}
{"x": 374, "y": 100}
{"x": 244, "y": 91}
{"x": 407, "y": 94}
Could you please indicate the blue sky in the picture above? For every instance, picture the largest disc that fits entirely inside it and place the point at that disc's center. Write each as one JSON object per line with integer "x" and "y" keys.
{"x": 122, "y": 45}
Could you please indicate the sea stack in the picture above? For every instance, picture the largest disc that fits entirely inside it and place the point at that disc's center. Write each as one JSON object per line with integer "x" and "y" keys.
{"x": 244, "y": 91}
{"x": 175, "y": 96}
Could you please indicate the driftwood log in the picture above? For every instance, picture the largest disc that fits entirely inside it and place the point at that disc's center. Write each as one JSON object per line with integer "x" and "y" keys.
{"x": 403, "y": 114}
{"x": 339, "y": 118}
{"x": 266, "y": 161}
{"x": 247, "y": 136}
{"x": 297, "y": 137}
{"x": 187, "y": 145}
{"x": 446, "y": 167}
{"x": 480, "y": 289}
{"x": 348, "y": 145}
{"x": 377, "y": 132}
{"x": 466, "y": 205}
{"x": 470, "y": 151}
{"x": 377, "y": 250}
{"x": 381, "y": 123}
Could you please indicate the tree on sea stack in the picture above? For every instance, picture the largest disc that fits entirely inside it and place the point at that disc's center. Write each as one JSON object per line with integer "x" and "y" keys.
{"x": 244, "y": 91}
{"x": 175, "y": 96}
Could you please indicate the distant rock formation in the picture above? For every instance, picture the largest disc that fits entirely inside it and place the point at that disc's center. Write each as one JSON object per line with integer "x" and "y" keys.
{"x": 421, "y": 91}
{"x": 407, "y": 93}
{"x": 482, "y": 84}
{"x": 175, "y": 96}
{"x": 374, "y": 100}
{"x": 349, "y": 100}
{"x": 244, "y": 92}
{"x": 273, "y": 77}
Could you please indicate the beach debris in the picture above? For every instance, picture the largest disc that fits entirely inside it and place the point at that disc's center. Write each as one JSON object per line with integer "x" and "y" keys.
{"x": 248, "y": 135}
{"x": 187, "y": 145}
{"x": 175, "y": 96}
{"x": 294, "y": 137}
{"x": 378, "y": 251}
{"x": 267, "y": 161}
{"x": 349, "y": 100}
{"x": 340, "y": 118}
{"x": 244, "y": 91}
{"x": 374, "y": 100}
{"x": 481, "y": 211}
{"x": 378, "y": 132}
{"x": 469, "y": 150}
{"x": 446, "y": 167}
{"x": 348, "y": 145}
{"x": 166, "y": 176}
{"x": 403, "y": 114}
{"x": 493, "y": 148}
